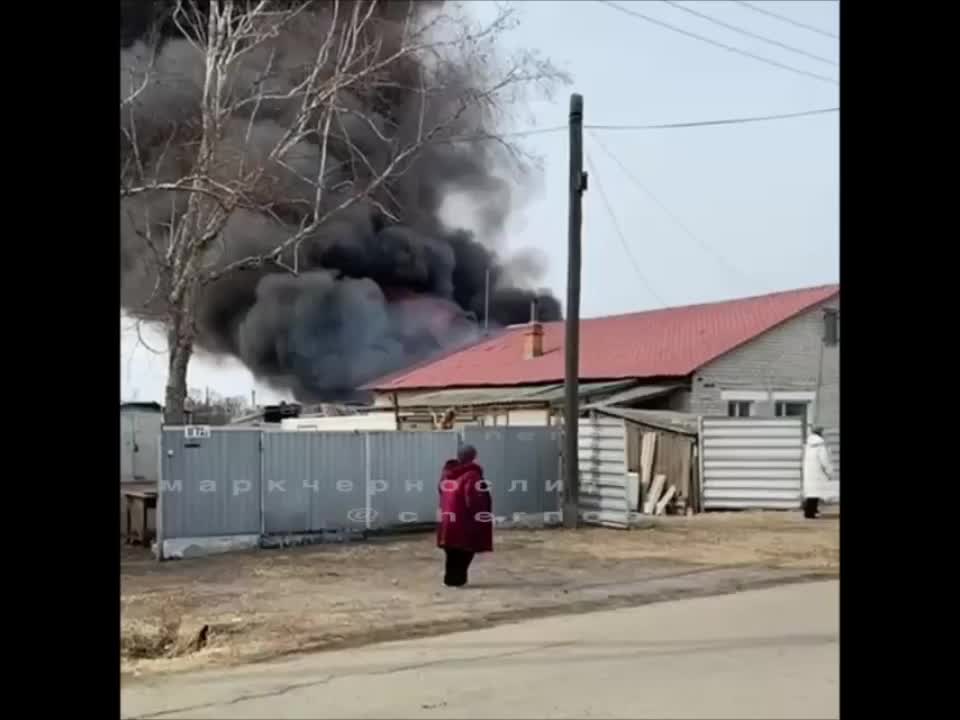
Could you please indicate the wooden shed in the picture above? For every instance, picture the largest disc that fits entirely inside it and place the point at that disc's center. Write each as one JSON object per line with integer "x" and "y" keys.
{"x": 660, "y": 442}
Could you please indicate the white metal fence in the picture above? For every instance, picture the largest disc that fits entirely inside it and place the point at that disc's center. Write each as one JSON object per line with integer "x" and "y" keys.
{"x": 752, "y": 463}
{"x": 604, "y": 483}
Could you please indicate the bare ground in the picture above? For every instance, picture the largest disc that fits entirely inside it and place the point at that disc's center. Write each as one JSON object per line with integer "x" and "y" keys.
{"x": 261, "y": 604}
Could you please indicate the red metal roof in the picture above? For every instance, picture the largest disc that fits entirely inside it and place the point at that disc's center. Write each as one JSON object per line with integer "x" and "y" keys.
{"x": 672, "y": 342}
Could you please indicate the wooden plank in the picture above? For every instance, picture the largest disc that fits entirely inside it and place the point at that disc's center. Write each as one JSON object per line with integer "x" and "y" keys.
{"x": 647, "y": 453}
{"x": 662, "y": 505}
{"x": 654, "y": 495}
{"x": 686, "y": 471}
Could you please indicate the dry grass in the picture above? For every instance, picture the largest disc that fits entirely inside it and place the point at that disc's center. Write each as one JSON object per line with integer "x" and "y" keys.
{"x": 782, "y": 540}
{"x": 255, "y": 605}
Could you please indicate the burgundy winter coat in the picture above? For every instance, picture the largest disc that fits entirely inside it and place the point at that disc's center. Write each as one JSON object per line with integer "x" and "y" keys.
{"x": 466, "y": 520}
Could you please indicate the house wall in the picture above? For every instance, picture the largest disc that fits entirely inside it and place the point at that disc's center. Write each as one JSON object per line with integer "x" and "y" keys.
{"x": 384, "y": 420}
{"x": 529, "y": 418}
{"x": 782, "y": 364}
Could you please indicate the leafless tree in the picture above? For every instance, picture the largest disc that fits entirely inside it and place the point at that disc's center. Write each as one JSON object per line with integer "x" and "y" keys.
{"x": 181, "y": 191}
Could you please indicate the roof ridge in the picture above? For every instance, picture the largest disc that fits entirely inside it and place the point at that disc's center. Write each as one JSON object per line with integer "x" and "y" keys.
{"x": 710, "y": 303}
{"x": 485, "y": 361}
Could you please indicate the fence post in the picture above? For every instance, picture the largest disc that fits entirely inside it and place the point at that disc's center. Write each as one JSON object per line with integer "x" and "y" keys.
{"x": 700, "y": 479}
{"x": 368, "y": 491}
{"x": 158, "y": 515}
{"x": 263, "y": 501}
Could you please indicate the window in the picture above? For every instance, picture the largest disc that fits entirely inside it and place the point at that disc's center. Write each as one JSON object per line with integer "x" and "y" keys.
{"x": 784, "y": 408}
{"x": 831, "y": 327}
{"x": 739, "y": 408}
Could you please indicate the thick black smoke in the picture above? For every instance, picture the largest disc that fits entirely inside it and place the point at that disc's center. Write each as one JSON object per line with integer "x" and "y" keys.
{"x": 372, "y": 295}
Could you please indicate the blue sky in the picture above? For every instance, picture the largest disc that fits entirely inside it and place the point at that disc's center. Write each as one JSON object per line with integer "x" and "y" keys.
{"x": 761, "y": 200}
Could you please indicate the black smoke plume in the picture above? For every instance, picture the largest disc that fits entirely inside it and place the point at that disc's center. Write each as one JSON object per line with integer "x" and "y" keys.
{"x": 372, "y": 295}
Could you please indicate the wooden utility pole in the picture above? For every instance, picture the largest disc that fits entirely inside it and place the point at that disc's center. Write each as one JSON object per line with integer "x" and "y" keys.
{"x": 571, "y": 414}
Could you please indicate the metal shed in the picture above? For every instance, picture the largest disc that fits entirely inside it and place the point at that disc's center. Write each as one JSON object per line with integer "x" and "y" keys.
{"x": 140, "y": 427}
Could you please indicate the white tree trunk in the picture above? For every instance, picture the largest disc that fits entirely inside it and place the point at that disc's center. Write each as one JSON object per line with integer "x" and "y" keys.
{"x": 180, "y": 342}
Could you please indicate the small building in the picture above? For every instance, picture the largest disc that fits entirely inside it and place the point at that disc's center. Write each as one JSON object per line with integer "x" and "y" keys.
{"x": 523, "y": 406}
{"x": 140, "y": 427}
{"x": 775, "y": 355}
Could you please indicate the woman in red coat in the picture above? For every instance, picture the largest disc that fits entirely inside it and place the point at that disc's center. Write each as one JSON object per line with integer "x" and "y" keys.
{"x": 466, "y": 515}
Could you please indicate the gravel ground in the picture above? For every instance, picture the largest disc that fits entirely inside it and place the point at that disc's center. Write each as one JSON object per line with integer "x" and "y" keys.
{"x": 261, "y": 604}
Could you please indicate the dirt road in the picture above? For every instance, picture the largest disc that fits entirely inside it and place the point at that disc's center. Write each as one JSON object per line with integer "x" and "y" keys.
{"x": 262, "y": 604}
{"x": 770, "y": 653}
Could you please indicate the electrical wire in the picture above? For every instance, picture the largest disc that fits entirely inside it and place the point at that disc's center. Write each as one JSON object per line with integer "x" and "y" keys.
{"x": 749, "y": 34}
{"x": 707, "y": 123}
{"x": 616, "y": 226}
{"x": 676, "y": 220}
{"x": 784, "y": 18}
{"x": 730, "y": 48}
{"x": 655, "y": 126}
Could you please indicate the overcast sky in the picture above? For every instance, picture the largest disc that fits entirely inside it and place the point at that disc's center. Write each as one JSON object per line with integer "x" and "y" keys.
{"x": 738, "y": 210}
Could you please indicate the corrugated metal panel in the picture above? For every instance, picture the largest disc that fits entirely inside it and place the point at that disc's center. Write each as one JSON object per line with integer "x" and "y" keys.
{"x": 522, "y": 466}
{"x": 210, "y": 486}
{"x": 557, "y": 393}
{"x": 752, "y": 463}
{"x": 604, "y": 485}
{"x": 678, "y": 422}
{"x": 405, "y": 474}
{"x": 641, "y": 392}
{"x": 553, "y": 392}
{"x": 342, "y": 423}
{"x": 301, "y": 482}
{"x": 313, "y": 482}
{"x": 470, "y": 396}
{"x": 832, "y": 438}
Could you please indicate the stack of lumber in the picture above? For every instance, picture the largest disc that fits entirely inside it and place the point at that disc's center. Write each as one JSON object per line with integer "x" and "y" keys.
{"x": 655, "y": 492}
{"x": 659, "y": 496}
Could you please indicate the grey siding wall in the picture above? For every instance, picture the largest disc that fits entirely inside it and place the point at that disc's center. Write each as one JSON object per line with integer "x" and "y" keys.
{"x": 785, "y": 359}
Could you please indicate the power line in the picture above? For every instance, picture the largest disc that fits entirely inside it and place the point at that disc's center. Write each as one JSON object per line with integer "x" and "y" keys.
{"x": 784, "y": 18}
{"x": 706, "y": 123}
{"x": 730, "y": 48}
{"x": 677, "y": 221}
{"x": 619, "y": 231}
{"x": 653, "y": 126}
{"x": 748, "y": 33}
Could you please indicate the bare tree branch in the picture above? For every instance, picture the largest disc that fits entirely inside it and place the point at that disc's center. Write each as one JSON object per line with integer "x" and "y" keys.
{"x": 320, "y": 106}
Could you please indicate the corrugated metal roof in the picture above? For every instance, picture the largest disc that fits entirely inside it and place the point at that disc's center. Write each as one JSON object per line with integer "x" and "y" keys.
{"x": 668, "y": 343}
{"x": 505, "y": 395}
{"x": 640, "y": 392}
{"x": 678, "y": 422}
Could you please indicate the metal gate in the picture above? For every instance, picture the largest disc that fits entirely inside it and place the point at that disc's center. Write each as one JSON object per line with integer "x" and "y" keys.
{"x": 522, "y": 466}
{"x": 210, "y": 483}
{"x": 752, "y": 463}
{"x": 313, "y": 481}
{"x": 404, "y": 474}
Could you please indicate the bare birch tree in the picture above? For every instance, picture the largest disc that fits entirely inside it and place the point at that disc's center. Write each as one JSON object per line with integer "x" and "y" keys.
{"x": 185, "y": 182}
